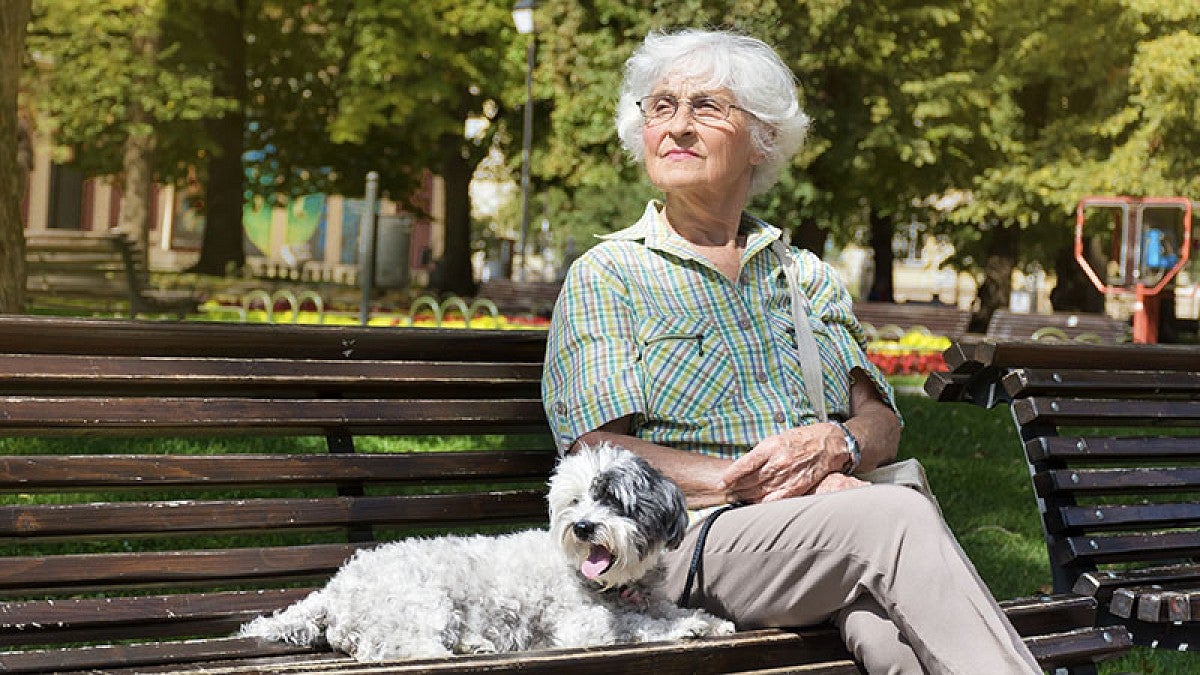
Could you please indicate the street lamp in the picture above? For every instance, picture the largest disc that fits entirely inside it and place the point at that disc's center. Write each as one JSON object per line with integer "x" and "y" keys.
{"x": 523, "y": 18}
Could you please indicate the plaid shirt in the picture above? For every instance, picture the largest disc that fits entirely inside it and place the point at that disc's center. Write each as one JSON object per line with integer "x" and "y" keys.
{"x": 644, "y": 326}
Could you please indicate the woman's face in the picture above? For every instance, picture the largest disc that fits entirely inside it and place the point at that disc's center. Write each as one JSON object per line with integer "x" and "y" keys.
{"x": 684, "y": 154}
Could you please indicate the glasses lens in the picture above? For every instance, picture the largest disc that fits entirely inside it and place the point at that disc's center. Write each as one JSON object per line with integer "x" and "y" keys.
{"x": 709, "y": 109}
{"x": 658, "y": 108}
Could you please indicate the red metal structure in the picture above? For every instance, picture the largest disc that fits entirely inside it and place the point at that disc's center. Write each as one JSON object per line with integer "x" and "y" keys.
{"x": 1145, "y": 262}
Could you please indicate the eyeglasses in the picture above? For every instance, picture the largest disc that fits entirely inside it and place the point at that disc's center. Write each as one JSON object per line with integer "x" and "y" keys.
{"x": 661, "y": 108}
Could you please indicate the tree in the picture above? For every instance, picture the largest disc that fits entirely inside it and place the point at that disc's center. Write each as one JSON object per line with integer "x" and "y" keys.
{"x": 414, "y": 73}
{"x": 14, "y": 16}
{"x": 113, "y": 94}
{"x": 1045, "y": 103}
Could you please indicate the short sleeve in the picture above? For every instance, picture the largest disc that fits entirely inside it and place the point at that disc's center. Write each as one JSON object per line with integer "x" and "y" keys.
{"x": 835, "y": 307}
{"x": 591, "y": 373}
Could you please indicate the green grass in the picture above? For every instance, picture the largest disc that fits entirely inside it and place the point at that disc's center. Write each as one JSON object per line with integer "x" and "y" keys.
{"x": 972, "y": 455}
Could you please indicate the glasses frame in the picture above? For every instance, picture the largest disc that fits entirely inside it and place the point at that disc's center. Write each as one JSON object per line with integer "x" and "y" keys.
{"x": 690, "y": 103}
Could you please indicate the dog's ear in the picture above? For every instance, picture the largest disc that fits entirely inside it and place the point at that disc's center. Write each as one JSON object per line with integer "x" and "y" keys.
{"x": 664, "y": 497}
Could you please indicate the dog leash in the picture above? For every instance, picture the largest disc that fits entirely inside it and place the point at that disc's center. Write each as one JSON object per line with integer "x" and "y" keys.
{"x": 698, "y": 553}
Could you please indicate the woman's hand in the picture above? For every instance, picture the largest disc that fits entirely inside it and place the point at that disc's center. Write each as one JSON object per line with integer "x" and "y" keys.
{"x": 835, "y": 482}
{"x": 793, "y": 463}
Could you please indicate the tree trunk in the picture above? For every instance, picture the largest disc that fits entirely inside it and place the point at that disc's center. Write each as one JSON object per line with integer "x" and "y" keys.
{"x": 456, "y": 171}
{"x": 221, "y": 243}
{"x": 883, "y": 229}
{"x": 1073, "y": 291}
{"x": 14, "y": 15}
{"x": 810, "y": 236}
{"x": 138, "y": 160}
{"x": 998, "y": 268}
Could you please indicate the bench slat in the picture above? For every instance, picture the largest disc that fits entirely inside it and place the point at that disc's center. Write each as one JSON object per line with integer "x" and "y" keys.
{"x": 1049, "y": 613}
{"x": 1100, "y": 448}
{"x": 239, "y": 415}
{"x": 1117, "y": 481}
{"x": 59, "y": 472}
{"x": 42, "y": 335}
{"x": 149, "y": 654}
{"x": 974, "y": 356}
{"x": 247, "y": 515}
{"x": 75, "y": 372}
{"x": 1100, "y": 412}
{"x": 30, "y": 574}
{"x": 1101, "y": 585}
{"x": 1129, "y": 547}
{"x": 765, "y": 648}
{"x": 1115, "y": 517}
{"x": 1043, "y": 381}
{"x": 76, "y": 620}
{"x": 1078, "y": 646}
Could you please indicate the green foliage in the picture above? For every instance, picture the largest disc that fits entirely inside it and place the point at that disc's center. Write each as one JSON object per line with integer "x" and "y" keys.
{"x": 86, "y": 74}
{"x": 1023, "y": 105}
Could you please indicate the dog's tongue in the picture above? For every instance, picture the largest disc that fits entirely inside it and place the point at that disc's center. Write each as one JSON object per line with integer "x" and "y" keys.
{"x": 597, "y": 563}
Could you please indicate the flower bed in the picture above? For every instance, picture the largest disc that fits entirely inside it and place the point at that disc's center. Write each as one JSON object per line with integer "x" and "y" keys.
{"x": 917, "y": 352}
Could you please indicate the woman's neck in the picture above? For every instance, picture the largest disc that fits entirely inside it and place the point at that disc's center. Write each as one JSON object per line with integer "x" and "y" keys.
{"x": 704, "y": 223}
{"x": 711, "y": 231}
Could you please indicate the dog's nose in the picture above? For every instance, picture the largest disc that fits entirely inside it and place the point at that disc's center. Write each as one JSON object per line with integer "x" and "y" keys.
{"x": 584, "y": 529}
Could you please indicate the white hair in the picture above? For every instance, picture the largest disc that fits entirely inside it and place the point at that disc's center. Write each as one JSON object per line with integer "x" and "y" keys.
{"x": 761, "y": 83}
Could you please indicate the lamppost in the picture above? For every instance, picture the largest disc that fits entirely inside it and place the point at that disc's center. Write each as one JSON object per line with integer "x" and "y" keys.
{"x": 523, "y": 18}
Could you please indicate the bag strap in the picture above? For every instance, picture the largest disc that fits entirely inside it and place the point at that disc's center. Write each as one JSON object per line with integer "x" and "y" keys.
{"x": 806, "y": 344}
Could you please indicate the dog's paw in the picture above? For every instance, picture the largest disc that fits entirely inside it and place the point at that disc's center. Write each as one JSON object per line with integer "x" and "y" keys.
{"x": 703, "y": 625}
{"x": 722, "y": 627}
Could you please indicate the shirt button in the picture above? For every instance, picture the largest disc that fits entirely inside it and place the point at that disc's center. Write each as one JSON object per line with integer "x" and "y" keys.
{"x": 760, "y": 376}
{"x": 780, "y": 418}
{"x": 744, "y": 324}
{"x": 560, "y": 408}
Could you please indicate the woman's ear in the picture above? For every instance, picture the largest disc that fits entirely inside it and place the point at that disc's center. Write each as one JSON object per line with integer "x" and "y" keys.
{"x": 765, "y": 138}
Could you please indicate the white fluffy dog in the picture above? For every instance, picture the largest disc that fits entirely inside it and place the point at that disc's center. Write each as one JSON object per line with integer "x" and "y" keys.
{"x": 589, "y": 580}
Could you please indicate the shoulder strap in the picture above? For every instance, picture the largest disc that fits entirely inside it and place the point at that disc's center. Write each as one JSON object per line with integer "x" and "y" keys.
{"x": 806, "y": 344}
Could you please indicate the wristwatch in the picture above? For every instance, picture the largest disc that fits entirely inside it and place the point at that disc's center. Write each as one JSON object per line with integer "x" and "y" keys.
{"x": 851, "y": 447}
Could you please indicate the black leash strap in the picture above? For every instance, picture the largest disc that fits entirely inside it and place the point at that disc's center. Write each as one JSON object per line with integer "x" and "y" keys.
{"x": 698, "y": 553}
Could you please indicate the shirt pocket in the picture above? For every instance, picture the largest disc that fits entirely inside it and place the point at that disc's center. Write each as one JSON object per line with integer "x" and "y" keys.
{"x": 686, "y": 365}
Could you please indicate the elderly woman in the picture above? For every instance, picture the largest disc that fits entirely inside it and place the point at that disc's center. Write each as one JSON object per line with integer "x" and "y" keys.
{"x": 675, "y": 338}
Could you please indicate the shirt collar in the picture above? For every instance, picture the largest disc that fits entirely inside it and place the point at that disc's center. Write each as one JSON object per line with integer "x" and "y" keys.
{"x": 652, "y": 230}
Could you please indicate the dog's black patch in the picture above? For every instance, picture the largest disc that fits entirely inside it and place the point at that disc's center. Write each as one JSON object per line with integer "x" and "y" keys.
{"x": 637, "y": 491}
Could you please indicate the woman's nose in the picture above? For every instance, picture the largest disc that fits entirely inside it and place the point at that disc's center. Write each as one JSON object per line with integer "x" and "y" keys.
{"x": 682, "y": 122}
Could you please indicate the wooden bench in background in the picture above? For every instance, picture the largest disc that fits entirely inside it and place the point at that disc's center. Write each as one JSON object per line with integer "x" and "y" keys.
{"x": 521, "y": 297}
{"x": 1082, "y": 327}
{"x": 1112, "y": 437}
{"x": 155, "y": 555}
{"x": 946, "y": 320}
{"x": 106, "y": 270}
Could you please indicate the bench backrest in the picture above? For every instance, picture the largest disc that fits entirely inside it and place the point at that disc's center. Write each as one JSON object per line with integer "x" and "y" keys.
{"x": 532, "y": 297}
{"x": 1081, "y": 327}
{"x": 946, "y": 320}
{"x": 74, "y": 266}
{"x": 251, "y": 461}
{"x": 1112, "y": 437}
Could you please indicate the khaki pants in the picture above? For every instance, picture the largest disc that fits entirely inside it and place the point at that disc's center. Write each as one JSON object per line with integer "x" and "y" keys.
{"x": 878, "y": 562}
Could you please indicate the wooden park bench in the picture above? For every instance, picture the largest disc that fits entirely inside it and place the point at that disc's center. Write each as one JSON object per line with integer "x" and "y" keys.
{"x": 107, "y": 270}
{"x": 946, "y": 320}
{"x": 1112, "y": 437}
{"x": 1080, "y": 327}
{"x": 243, "y": 464}
{"x": 521, "y": 297}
